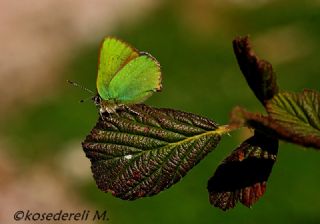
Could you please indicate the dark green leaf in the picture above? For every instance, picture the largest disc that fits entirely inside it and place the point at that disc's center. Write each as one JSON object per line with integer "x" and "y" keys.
{"x": 258, "y": 73}
{"x": 141, "y": 150}
{"x": 293, "y": 117}
{"x": 242, "y": 176}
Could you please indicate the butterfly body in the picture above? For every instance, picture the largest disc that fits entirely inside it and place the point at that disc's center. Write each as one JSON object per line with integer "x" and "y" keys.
{"x": 125, "y": 75}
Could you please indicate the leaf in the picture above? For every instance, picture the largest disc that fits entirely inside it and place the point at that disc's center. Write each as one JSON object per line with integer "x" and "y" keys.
{"x": 293, "y": 117}
{"x": 258, "y": 73}
{"x": 141, "y": 150}
{"x": 242, "y": 176}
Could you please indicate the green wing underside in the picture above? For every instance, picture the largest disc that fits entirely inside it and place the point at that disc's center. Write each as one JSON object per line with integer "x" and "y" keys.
{"x": 114, "y": 54}
{"x": 125, "y": 75}
{"x": 136, "y": 81}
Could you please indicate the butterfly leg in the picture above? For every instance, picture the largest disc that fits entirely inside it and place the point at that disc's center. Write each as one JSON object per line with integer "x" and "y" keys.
{"x": 108, "y": 111}
{"x": 128, "y": 108}
{"x": 105, "y": 115}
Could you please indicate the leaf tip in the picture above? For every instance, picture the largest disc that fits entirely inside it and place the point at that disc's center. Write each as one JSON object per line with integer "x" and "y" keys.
{"x": 258, "y": 73}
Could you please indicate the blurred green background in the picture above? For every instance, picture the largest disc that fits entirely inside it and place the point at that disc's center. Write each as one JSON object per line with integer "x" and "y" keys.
{"x": 42, "y": 165}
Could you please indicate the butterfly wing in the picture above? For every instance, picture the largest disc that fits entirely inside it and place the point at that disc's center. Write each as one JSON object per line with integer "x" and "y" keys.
{"x": 136, "y": 81}
{"x": 114, "y": 55}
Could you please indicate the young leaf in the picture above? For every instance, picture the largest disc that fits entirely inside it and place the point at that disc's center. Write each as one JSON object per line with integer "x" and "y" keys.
{"x": 242, "y": 176}
{"x": 141, "y": 150}
{"x": 297, "y": 117}
{"x": 293, "y": 117}
{"x": 258, "y": 73}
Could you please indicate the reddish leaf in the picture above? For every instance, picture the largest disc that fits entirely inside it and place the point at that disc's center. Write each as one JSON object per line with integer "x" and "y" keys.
{"x": 258, "y": 73}
{"x": 242, "y": 176}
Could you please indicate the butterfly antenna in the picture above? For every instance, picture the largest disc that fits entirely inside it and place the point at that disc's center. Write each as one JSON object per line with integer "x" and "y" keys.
{"x": 80, "y": 86}
{"x": 86, "y": 99}
{"x": 84, "y": 88}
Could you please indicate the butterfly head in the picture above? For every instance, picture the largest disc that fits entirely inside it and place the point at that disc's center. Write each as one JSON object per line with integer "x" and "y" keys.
{"x": 97, "y": 100}
{"x": 105, "y": 106}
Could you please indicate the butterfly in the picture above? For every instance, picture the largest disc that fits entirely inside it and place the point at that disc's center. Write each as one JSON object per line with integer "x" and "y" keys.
{"x": 125, "y": 76}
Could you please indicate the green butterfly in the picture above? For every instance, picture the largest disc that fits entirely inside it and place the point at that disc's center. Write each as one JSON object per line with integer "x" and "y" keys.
{"x": 125, "y": 76}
